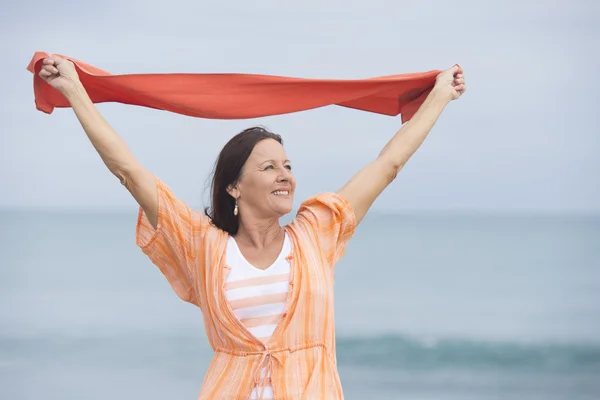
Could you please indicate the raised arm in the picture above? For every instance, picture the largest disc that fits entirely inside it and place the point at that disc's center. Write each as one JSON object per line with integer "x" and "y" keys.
{"x": 364, "y": 187}
{"x": 141, "y": 183}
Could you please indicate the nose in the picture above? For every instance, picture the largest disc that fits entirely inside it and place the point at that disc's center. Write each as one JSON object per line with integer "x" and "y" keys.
{"x": 284, "y": 175}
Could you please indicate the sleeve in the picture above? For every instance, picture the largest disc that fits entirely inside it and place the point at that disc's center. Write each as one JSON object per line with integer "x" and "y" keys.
{"x": 331, "y": 221}
{"x": 173, "y": 245}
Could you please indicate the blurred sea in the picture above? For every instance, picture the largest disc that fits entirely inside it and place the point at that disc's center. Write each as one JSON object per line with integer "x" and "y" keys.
{"x": 428, "y": 306}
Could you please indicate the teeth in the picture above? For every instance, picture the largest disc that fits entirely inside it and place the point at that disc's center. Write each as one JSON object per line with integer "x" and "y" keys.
{"x": 281, "y": 192}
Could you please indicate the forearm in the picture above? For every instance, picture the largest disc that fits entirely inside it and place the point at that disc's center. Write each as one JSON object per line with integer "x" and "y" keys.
{"x": 111, "y": 148}
{"x": 409, "y": 138}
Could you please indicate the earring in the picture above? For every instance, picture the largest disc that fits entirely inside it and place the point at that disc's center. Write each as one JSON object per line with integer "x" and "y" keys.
{"x": 235, "y": 209}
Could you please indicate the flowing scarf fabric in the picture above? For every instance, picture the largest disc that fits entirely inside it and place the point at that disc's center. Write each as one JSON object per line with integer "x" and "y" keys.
{"x": 239, "y": 96}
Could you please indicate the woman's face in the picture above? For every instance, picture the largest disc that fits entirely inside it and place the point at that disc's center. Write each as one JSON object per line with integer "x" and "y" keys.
{"x": 266, "y": 185}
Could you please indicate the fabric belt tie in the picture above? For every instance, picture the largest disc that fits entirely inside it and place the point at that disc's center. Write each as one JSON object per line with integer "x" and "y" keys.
{"x": 268, "y": 355}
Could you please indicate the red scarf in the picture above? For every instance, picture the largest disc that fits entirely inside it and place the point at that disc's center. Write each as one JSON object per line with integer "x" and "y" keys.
{"x": 239, "y": 96}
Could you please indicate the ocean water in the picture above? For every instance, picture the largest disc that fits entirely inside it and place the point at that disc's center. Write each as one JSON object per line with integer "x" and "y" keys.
{"x": 429, "y": 306}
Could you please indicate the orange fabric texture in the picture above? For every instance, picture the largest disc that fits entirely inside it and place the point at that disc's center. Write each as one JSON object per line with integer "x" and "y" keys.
{"x": 300, "y": 355}
{"x": 240, "y": 96}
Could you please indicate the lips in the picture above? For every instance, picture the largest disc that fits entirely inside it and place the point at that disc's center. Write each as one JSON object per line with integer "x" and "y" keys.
{"x": 281, "y": 192}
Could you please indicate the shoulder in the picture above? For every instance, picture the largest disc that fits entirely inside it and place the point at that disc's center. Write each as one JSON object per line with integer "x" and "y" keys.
{"x": 325, "y": 209}
{"x": 325, "y": 202}
{"x": 324, "y": 212}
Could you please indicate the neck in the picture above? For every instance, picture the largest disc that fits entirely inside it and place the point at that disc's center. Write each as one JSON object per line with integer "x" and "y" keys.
{"x": 259, "y": 234}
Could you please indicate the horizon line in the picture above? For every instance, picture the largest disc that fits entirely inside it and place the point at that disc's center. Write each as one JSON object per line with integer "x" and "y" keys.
{"x": 378, "y": 211}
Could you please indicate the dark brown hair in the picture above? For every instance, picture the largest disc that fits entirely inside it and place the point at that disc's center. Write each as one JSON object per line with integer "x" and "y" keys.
{"x": 227, "y": 170}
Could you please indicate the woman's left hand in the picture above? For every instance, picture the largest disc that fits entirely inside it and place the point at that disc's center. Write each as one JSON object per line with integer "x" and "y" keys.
{"x": 451, "y": 83}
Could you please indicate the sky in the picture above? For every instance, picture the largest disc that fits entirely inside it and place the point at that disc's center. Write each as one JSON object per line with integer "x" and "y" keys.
{"x": 524, "y": 138}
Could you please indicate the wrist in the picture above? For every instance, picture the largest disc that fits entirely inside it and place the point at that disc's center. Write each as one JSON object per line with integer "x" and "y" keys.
{"x": 72, "y": 89}
{"x": 439, "y": 95}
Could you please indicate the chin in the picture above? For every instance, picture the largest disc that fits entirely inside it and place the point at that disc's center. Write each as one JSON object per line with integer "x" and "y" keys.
{"x": 284, "y": 209}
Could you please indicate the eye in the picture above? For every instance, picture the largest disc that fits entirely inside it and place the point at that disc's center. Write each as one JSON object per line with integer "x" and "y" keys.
{"x": 289, "y": 167}
{"x": 269, "y": 167}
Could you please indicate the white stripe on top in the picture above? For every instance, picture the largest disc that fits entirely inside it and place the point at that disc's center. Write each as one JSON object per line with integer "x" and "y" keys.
{"x": 257, "y": 296}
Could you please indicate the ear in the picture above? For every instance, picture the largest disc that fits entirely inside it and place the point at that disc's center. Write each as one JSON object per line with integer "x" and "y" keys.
{"x": 233, "y": 191}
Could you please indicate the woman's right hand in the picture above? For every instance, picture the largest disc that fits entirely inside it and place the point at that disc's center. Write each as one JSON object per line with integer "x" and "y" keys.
{"x": 59, "y": 73}
{"x": 451, "y": 83}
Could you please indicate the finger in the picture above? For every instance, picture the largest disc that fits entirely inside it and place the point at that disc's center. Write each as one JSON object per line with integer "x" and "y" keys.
{"x": 460, "y": 75}
{"x": 50, "y": 68}
{"x": 45, "y": 74}
{"x": 455, "y": 69}
{"x": 56, "y": 58}
{"x": 460, "y": 88}
{"x": 48, "y": 61}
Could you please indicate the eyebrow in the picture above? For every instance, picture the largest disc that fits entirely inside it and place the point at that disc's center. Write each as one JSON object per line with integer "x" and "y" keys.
{"x": 273, "y": 161}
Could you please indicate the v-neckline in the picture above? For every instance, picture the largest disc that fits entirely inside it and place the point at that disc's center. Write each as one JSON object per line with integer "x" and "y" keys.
{"x": 279, "y": 256}
{"x": 292, "y": 289}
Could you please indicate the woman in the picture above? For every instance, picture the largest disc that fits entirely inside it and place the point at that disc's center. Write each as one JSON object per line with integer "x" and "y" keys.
{"x": 265, "y": 290}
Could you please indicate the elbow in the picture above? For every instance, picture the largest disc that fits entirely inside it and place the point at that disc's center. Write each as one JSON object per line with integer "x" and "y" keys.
{"x": 392, "y": 173}
{"x": 121, "y": 175}
{"x": 390, "y": 168}
{"x": 124, "y": 172}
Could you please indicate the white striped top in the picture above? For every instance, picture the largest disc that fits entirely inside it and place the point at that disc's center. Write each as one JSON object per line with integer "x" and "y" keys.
{"x": 258, "y": 296}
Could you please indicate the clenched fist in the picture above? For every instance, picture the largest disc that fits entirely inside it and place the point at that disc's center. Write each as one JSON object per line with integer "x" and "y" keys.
{"x": 59, "y": 73}
{"x": 451, "y": 83}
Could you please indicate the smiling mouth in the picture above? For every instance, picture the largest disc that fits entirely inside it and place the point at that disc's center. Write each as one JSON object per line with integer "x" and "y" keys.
{"x": 281, "y": 193}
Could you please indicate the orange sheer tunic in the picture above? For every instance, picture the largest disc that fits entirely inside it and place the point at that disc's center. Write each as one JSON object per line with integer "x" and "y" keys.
{"x": 190, "y": 252}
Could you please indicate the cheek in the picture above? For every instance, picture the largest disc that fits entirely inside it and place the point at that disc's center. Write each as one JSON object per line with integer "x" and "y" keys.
{"x": 252, "y": 189}
{"x": 258, "y": 183}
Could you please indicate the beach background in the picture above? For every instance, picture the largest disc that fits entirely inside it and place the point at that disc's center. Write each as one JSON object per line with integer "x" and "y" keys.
{"x": 427, "y": 307}
{"x": 475, "y": 276}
